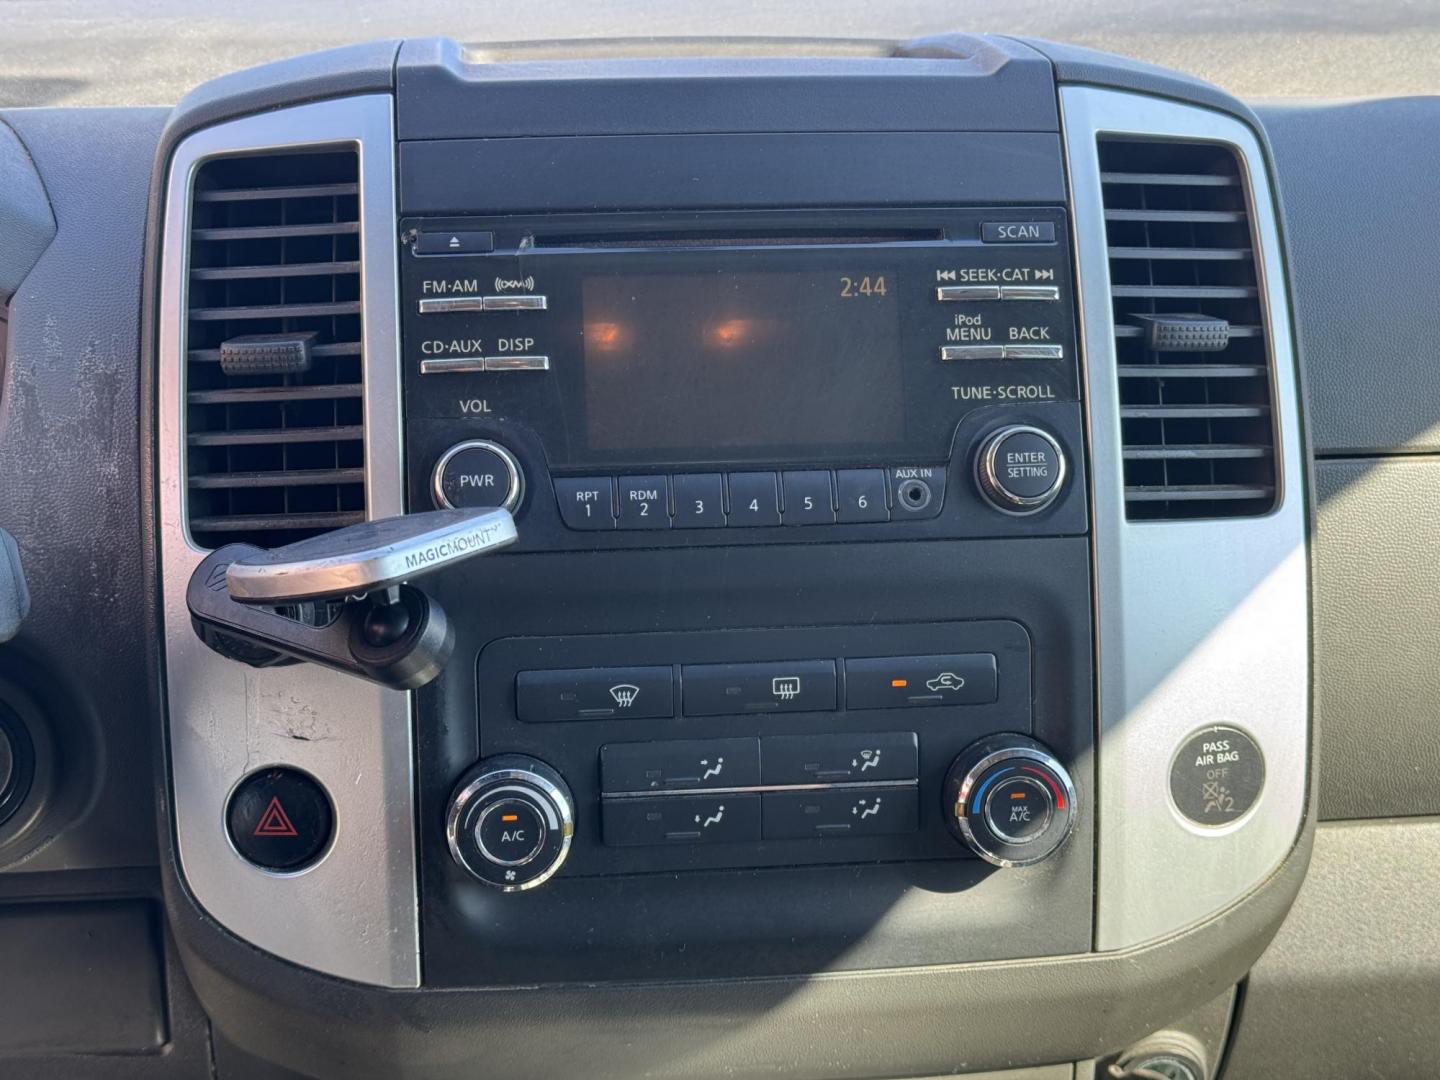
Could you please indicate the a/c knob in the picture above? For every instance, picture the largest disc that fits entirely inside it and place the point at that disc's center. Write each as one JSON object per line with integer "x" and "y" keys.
{"x": 510, "y": 822}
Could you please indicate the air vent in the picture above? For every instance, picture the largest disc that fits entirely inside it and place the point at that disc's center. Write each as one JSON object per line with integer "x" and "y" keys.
{"x": 1190, "y": 336}
{"x": 274, "y": 413}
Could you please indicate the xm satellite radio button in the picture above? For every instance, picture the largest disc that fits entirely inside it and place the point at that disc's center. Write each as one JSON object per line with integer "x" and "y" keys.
{"x": 860, "y": 494}
{"x": 916, "y": 491}
{"x": 972, "y": 352}
{"x": 1020, "y": 469}
{"x": 1017, "y": 232}
{"x": 754, "y": 499}
{"x": 463, "y": 242}
{"x": 280, "y": 819}
{"x": 476, "y": 474}
{"x": 632, "y": 693}
{"x": 1030, "y": 292}
{"x": 644, "y": 502}
{"x": 586, "y": 502}
{"x": 516, "y": 302}
{"x": 699, "y": 500}
{"x": 808, "y": 498}
{"x": 510, "y": 831}
{"x": 726, "y": 689}
{"x": 901, "y": 682}
{"x": 853, "y": 811}
{"x": 954, "y": 294}
{"x": 681, "y": 764}
{"x": 850, "y": 758}
{"x": 681, "y": 819}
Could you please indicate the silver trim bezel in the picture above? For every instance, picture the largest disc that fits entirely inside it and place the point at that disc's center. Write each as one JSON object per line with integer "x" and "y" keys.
{"x": 1197, "y": 622}
{"x": 355, "y": 914}
{"x": 984, "y": 765}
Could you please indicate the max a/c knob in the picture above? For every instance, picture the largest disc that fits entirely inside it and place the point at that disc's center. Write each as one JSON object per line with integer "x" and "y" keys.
{"x": 1020, "y": 469}
{"x": 510, "y": 822}
{"x": 1009, "y": 800}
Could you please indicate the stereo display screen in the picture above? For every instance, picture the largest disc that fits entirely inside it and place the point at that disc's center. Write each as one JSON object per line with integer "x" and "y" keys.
{"x": 766, "y": 361}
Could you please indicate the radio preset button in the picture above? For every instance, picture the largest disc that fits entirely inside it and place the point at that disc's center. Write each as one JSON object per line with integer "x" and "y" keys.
{"x": 699, "y": 500}
{"x": 861, "y": 495}
{"x": 477, "y": 473}
{"x": 727, "y": 689}
{"x": 963, "y": 293}
{"x": 1017, "y": 232}
{"x": 636, "y": 693}
{"x": 839, "y": 758}
{"x": 681, "y": 764}
{"x": 681, "y": 819}
{"x": 644, "y": 502}
{"x": 901, "y": 682}
{"x": 808, "y": 499}
{"x": 857, "y": 811}
{"x": 586, "y": 502}
{"x": 754, "y": 499}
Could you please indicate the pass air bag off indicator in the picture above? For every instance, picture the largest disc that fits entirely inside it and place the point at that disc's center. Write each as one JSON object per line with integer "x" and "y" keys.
{"x": 1217, "y": 776}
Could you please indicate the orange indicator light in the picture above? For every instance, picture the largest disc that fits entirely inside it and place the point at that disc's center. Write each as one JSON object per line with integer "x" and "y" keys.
{"x": 899, "y": 684}
{"x": 507, "y": 818}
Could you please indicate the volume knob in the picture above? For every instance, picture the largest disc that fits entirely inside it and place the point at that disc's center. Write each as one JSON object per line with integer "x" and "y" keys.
{"x": 510, "y": 822}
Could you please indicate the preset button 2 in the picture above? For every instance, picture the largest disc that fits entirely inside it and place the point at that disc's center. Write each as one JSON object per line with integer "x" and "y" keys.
{"x": 644, "y": 502}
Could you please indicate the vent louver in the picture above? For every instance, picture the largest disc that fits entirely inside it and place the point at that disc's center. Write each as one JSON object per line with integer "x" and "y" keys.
{"x": 275, "y": 450}
{"x": 1190, "y": 334}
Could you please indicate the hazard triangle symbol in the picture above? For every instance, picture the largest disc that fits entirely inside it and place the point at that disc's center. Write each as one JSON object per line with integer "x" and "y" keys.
{"x": 275, "y": 822}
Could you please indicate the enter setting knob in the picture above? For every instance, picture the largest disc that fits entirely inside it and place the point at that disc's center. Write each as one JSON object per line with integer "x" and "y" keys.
{"x": 510, "y": 822}
{"x": 1020, "y": 469}
{"x": 1009, "y": 800}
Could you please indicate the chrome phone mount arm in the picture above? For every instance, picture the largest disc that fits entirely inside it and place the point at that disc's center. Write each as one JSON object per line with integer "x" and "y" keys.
{"x": 345, "y": 599}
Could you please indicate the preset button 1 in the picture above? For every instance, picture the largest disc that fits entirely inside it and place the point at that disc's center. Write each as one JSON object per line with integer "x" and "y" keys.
{"x": 586, "y": 502}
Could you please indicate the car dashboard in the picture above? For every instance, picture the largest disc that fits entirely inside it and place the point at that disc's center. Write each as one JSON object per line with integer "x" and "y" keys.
{"x": 704, "y": 564}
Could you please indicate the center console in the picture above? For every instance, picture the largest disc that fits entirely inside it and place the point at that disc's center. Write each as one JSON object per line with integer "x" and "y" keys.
{"x": 901, "y": 580}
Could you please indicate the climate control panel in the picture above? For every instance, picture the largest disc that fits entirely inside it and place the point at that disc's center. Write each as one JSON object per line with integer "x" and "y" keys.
{"x": 751, "y": 748}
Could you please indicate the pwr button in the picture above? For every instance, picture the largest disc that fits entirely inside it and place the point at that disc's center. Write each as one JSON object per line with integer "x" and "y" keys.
{"x": 280, "y": 819}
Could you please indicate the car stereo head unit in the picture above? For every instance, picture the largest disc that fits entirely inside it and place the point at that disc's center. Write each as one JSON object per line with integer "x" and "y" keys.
{"x": 733, "y": 370}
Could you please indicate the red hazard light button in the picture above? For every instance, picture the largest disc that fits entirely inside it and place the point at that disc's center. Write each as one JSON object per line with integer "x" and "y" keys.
{"x": 280, "y": 819}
